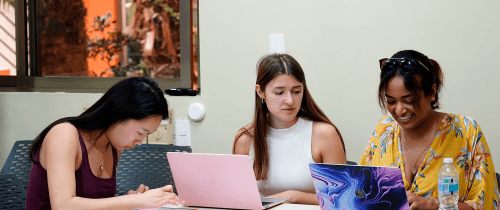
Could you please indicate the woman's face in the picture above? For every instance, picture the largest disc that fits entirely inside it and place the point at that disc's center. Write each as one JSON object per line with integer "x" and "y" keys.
{"x": 283, "y": 98}
{"x": 405, "y": 107}
{"x": 126, "y": 134}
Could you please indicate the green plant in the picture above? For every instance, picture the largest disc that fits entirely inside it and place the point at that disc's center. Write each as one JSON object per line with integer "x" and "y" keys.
{"x": 171, "y": 12}
{"x": 7, "y": 2}
{"x": 110, "y": 47}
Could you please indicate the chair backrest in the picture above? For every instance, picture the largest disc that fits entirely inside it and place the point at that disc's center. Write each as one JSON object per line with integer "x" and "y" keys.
{"x": 18, "y": 162}
{"x": 498, "y": 180}
{"x": 145, "y": 164}
{"x": 12, "y": 193}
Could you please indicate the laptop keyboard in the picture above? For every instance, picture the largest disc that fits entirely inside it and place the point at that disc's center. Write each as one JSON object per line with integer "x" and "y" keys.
{"x": 266, "y": 203}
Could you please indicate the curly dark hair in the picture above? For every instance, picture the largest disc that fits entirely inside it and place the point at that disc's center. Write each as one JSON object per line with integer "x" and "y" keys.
{"x": 419, "y": 80}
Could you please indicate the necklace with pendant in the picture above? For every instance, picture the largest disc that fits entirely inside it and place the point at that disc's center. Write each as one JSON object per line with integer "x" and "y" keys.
{"x": 103, "y": 153}
{"x": 413, "y": 168}
{"x": 103, "y": 156}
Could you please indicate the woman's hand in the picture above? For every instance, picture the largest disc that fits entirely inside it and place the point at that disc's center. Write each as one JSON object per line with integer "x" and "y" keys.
{"x": 298, "y": 197}
{"x": 419, "y": 202}
{"x": 158, "y": 197}
{"x": 141, "y": 189}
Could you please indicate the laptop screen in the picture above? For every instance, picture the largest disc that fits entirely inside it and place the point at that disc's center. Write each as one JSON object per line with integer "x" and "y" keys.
{"x": 358, "y": 187}
{"x": 215, "y": 180}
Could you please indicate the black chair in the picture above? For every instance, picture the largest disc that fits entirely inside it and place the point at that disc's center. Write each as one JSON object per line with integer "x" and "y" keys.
{"x": 12, "y": 193}
{"x": 498, "y": 180}
{"x": 18, "y": 162}
{"x": 351, "y": 163}
{"x": 145, "y": 164}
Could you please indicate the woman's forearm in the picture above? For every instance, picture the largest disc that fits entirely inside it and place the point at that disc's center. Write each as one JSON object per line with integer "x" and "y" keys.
{"x": 464, "y": 206}
{"x": 120, "y": 202}
{"x": 304, "y": 198}
{"x": 297, "y": 197}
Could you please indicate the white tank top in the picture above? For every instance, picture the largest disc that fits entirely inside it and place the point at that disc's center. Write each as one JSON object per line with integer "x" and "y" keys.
{"x": 289, "y": 158}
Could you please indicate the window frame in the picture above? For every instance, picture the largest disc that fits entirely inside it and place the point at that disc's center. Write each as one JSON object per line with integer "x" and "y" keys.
{"x": 10, "y": 83}
{"x": 27, "y": 78}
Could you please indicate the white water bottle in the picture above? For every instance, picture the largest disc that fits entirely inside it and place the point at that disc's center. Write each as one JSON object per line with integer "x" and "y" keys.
{"x": 448, "y": 179}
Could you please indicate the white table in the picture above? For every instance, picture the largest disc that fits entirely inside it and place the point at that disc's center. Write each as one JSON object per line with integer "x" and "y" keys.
{"x": 285, "y": 206}
{"x": 288, "y": 206}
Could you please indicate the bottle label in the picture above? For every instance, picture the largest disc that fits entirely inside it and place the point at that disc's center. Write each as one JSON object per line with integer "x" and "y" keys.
{"x": 448, "y": 186}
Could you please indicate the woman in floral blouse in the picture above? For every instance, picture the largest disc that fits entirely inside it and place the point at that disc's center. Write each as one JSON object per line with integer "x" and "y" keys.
{"x": 416, "y": 137}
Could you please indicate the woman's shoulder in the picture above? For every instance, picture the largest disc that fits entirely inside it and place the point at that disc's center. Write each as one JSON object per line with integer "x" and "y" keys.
{"x": 245, "y": 131}
{"x": 386, "y": 121}
{"x": 386, "y": 125}
{"x": 62, "y": 140}
{"x": 323, "y": 129}
{"x": 64, "y": 130}
{"x": 323, "y": 134}
{"x": 243, "y": 140}
{"x": 461, "y": 126}
{"x": 460, "y": 118}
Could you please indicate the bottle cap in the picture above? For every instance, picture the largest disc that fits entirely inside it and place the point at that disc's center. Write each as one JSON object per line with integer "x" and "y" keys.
{"x": 448, "y": 160}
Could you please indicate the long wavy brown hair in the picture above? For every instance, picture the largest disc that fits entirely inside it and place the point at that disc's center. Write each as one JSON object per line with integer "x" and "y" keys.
{"x": 268, "y": 68}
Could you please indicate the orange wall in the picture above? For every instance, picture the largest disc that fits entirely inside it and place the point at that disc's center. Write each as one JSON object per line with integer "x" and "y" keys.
{"x": 100, "y": 8}
{"x": 4, "y": 72}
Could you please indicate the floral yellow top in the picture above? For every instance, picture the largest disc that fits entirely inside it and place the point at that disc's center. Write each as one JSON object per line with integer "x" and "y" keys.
{"x": 458, "y": 137}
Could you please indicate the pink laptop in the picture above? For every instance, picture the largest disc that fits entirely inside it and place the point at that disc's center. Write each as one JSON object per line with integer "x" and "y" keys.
{"x": 216, "y": 180}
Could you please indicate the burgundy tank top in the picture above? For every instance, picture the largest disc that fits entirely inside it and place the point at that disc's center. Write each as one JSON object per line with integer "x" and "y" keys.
{"x": 87, "y": 184}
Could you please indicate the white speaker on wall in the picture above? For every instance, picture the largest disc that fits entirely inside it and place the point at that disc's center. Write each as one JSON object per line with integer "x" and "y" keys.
{"x": 196, "y": 112}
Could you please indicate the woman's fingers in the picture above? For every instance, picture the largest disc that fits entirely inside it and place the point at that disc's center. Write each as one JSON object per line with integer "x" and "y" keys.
{"x": 172, "y": 198}
{"x": 141, "y": 188}
{"x": 162, "y": 196}
{"x": 176, "y": 199}
{"x": 168, "y": 188}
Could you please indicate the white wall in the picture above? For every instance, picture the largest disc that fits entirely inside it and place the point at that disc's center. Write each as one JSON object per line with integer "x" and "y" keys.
{"x": 338, "y": 44}
{"x": 24, "y": 115}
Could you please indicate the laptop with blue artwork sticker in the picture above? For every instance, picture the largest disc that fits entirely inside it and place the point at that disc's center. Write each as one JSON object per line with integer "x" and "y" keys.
{"x": 358, "y": 187}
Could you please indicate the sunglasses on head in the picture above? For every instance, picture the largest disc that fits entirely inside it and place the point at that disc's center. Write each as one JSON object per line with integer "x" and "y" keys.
{"x": 407, "y": 65}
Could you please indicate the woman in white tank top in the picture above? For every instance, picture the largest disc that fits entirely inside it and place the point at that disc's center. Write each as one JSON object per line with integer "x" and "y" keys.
{"x": 288, "y": 132}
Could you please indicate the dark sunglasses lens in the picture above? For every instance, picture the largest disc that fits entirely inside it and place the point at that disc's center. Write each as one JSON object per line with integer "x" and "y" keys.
{"x": 407, "y": 65}
{"x": 387, "y": 65}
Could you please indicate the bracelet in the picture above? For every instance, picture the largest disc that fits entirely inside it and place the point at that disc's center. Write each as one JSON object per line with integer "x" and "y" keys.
{"x": 436, "y": 201}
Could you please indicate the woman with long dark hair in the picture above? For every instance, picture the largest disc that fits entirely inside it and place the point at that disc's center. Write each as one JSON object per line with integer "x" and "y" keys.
{"x": 75, "y": 158}
{"x": 288, "y": 132}
{"x": 416, "y": 138}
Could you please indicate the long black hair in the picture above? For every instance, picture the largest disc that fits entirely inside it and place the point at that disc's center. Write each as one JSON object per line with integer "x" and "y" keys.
{"x": 133, "y": 98}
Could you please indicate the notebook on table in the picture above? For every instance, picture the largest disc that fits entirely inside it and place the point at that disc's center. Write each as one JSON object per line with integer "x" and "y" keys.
{"x": 358, "y": 187}
{"x": 216, "y": 180}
